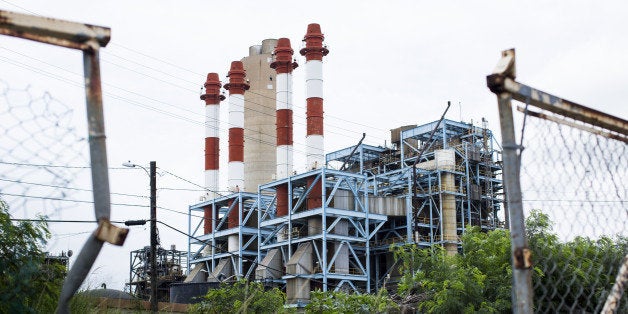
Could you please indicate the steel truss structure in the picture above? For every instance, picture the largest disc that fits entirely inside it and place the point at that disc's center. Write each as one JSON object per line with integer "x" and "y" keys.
{"x": 344, "y": 203}
{"x": 169, "y": 270}
{"x": 382, "y": 197}
{"x": 241, "y": 261}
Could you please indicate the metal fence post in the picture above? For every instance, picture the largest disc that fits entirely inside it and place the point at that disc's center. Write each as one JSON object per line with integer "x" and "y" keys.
{"x": 522, "y": 279}
{"x": 521, "y": 255}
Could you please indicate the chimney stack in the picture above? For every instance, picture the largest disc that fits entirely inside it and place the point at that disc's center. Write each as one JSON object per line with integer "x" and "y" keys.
{"x": 236, "y": 87}
{"x": 283, "y": 65}
{"x": 314, "y": 52}
{"x": 314, "y": 141}
{"x": 212, "y": 98}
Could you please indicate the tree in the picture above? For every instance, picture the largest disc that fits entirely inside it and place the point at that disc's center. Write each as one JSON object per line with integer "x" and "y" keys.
{"x": 338, "y": 302}
{"x": 27, "y": 283}
{"x": 479, "y": 280}
{"x": 568, "y": 276}
{"x": 576, "y": 275}
{"x": 241, "y": 297}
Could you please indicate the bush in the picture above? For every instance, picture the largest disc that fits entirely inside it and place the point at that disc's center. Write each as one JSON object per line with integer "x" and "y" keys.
{"x": 342, "y": 302}
{"x": 241, "y": 297}
{"x": 27, "y": 283}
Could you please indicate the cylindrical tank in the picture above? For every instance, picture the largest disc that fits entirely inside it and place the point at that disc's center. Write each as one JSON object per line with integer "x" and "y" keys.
{"x": 445, "y": 160}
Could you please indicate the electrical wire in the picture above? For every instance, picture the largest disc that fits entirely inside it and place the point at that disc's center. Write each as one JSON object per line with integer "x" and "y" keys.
{"x": 68, "y": 200}
{"x": 62, "y": 221}
{"x": 192, "y": 72}
{"x": 23, "y": 65}
{"x": 68, "y": 188}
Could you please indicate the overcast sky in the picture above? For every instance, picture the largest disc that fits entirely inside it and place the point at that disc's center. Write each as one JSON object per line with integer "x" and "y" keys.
{"x": 391, "y": 63}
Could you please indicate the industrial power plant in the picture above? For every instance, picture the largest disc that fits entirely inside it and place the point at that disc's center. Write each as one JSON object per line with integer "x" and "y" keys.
{"x": 331, "y": 227}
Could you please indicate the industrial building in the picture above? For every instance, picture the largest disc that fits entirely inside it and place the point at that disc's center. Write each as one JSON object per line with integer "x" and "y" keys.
{"x": 168, "y": 270}
{"x": 331, "y": 227}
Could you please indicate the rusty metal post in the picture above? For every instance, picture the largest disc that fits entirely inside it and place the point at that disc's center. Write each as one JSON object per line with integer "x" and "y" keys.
{"x": 100, "y": 176}
{"x": 521, "y": 273}
{"x": 521, "y": 256}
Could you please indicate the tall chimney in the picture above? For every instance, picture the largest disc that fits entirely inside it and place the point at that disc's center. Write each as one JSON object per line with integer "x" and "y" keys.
{"x": 212, "y": 98}
{"x": 283, "y": 65}
{"x": 314, "y": 52}
{"x": 314, "y": 144}
{"x": 236, "y": 87}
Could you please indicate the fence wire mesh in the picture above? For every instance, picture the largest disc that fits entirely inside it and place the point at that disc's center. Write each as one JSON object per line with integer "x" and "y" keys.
{"x": 39, "y": 151}
{"x": 574, "y": 186}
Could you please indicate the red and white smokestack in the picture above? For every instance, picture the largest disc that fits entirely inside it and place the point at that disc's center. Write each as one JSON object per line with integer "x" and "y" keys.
{"x": 212, "y": 98}
{"x": 314, "y": 52}
{"x": 314, "y": 141}
{"x": 283, "y": 65}
{"x": 236, "y": 87}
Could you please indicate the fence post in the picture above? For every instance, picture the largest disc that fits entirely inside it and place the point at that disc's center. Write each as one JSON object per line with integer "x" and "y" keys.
{"x": 522, "y": 279}
{"x": 521, "y": 254}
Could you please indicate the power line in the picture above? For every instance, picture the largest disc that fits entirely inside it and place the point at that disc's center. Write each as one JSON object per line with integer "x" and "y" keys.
{"x": 23, "y": 65}
{"x": 68, "y": 188}
{"x": 61, "y": 220}
{"x": 68, "y": 200}
{"x": 136, "y": 103}
{"x": 190, "y": 71}
{"x": 116, "y": 168}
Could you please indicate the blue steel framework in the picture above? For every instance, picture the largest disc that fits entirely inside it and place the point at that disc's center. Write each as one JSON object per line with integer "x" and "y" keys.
{"x": 247, "y": 205}
{"x": 340, "y": 187}
{"x": 477, "y": 190}
{"x": 373, "y": 174}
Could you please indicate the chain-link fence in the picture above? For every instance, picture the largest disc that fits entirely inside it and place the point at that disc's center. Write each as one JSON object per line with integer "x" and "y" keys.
{"x": 566, "y": 179}
{"x": 574, "y": 186}
{"x": 39, "y": 151}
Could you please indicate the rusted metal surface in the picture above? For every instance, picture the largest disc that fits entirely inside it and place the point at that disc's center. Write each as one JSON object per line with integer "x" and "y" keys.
{"x": 502, "y": 80}
{"x": 522, "y": 276}
{"x": 107, "y": 232}
{"x": 521, "y": 272}
{"x": 52, "y": 31}
{"x": 540, "y": 115}
{"x": 522, "y": 258}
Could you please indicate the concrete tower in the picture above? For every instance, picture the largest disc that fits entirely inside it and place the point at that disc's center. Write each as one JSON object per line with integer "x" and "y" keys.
{"x": 259, "y": 114}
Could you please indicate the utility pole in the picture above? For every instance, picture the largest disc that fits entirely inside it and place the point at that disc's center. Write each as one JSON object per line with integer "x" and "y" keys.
{"x": 154, "y": 306}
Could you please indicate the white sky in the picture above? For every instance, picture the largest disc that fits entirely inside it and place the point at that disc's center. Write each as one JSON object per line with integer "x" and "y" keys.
{"x": 391, "y": 63}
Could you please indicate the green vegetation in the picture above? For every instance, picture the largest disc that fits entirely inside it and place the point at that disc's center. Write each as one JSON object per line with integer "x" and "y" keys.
{"x": 341, "y": 303}
{"x": 572, "y": 276}
{"x": 477, "y": 281}
{"x": 241, "y": 297}
{"x": 27, "y": 284}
